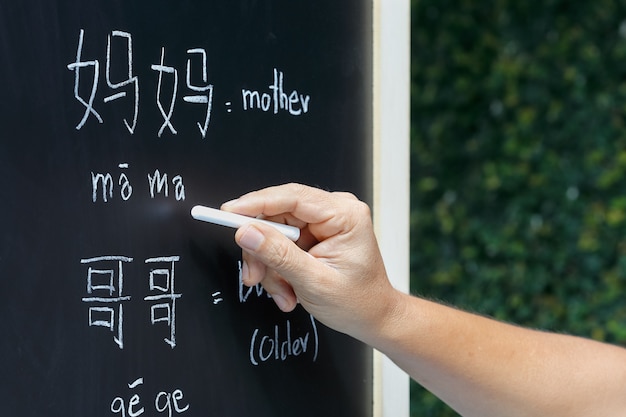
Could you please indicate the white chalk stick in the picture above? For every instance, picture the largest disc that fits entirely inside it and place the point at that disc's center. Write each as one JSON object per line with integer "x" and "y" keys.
{"x": 225, "y": 218}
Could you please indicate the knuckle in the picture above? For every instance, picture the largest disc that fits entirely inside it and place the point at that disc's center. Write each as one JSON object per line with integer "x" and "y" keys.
{"x": 346, "y": 195}
{"x": 362, "y": 209}
{"x": 295, "y": 188}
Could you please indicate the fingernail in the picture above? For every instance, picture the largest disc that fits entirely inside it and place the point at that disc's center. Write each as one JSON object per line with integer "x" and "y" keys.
{"x": 251, "y": 239}
{"x": 281, "y": 302}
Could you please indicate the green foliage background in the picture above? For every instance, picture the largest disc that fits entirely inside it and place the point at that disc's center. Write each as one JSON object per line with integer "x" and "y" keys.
{"x": 519, "y": 164}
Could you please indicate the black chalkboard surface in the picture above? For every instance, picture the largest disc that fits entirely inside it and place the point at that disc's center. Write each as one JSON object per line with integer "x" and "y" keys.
{"x": 116, "y": 118}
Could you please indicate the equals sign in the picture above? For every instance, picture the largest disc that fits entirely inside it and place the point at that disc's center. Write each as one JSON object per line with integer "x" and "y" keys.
{"x": 217, "y": 297}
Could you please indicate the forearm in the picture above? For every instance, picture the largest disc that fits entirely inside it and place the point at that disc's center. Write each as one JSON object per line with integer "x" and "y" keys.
{"x": 482, "y": 367}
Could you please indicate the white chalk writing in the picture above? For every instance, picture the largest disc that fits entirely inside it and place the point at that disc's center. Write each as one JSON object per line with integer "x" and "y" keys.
{"x": 282, "y": 343}
{"x": 162, "y": 283}
{"x": 103, "y": 186}
{"x": 206, "y": 88}
{"x": 132, "y": 79}
{"x": 105, "y": 285}
{"x": 163, "y": 69}
{"x": 276, "y": 100}
{"x": 245, "y": 292}
{"x": 106, "y": 280}
{"x": 158, "y": 184}
{"x": 164, "y": 402}
{"x": 198, "y": 90}
{"x": 76, "y": 66}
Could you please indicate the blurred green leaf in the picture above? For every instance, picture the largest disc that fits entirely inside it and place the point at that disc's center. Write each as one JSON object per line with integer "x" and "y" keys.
{"x": 518, "y": 149}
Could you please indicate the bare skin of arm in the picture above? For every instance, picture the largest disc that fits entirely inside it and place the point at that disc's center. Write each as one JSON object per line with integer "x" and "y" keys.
{"x": 479, "y": 366}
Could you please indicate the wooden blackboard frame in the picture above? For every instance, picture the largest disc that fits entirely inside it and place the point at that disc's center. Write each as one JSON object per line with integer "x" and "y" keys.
{"x": 391, "y": 177}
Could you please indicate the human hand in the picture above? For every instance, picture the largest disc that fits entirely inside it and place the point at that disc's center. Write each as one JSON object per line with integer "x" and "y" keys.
{"x": 334, "y": 270}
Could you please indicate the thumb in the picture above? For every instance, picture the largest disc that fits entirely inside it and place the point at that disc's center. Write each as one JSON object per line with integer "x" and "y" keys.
{"x": 270, "y": 247}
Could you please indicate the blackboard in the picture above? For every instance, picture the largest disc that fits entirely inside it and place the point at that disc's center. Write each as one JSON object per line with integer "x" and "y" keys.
{"x": 116, "y": 118}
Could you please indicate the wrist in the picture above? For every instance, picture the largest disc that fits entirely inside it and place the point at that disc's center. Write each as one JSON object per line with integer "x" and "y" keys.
{"x": 385, "y": 328}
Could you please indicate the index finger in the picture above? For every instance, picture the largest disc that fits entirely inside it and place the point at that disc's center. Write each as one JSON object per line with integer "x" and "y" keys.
{"x": 326, "y": 213}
